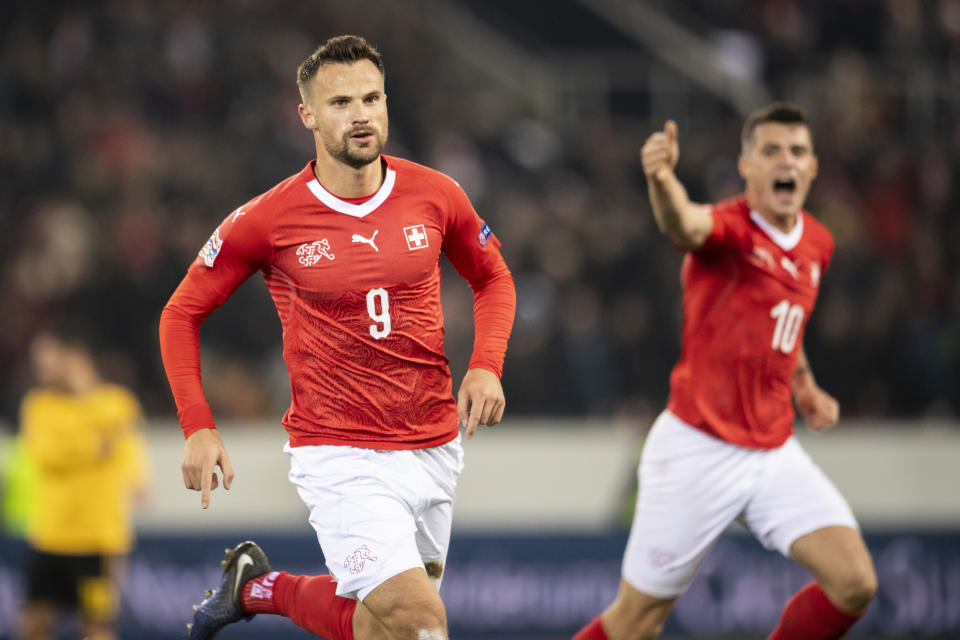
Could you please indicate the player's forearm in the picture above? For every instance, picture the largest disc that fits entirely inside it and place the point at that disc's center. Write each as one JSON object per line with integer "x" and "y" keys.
{"x": 180, "y": 351}
{"x": 676, "y": 216}
{"x": 803, "y": 374}
{"x": 494, "y": 307}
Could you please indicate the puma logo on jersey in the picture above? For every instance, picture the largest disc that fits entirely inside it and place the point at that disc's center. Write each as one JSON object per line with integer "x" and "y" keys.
{"x": 311, "y": 252}
{"x": 789, "y": 267}
{"x": 359, "y": 238}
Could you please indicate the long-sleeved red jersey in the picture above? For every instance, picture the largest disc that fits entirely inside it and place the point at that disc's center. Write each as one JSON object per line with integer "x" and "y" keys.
{"x": 356, "y": 284}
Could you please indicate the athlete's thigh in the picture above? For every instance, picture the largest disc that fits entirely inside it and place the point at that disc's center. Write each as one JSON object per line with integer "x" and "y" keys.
{"x": 835, "y": 554}
{"x": 691, "y": 487}
{"x": 361, "y": 511}
{"x": 793, "y": 499}
{"x": 442, "y": 467}
{"x": 635, "y": 613}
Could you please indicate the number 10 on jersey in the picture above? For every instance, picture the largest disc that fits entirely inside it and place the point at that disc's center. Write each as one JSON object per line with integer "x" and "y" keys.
{"x": 789, "y": 318}
{"x": 378, "y": 298}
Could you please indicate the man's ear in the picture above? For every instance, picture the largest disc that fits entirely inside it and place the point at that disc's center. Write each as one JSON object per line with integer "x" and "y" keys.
{"x": 306, "y": 116}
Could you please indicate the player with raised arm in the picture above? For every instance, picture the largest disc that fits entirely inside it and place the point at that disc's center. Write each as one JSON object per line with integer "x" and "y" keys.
{"x": 724, "y": 449}
{"x": 349, "y": 248}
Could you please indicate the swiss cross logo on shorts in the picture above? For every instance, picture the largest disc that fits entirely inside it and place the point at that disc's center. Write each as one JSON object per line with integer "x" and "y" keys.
{"x": 311, "y": 252}
{"x": 660, "y": 559}
{"x": 416, "y": 237}
{"x": 356, "y": 560}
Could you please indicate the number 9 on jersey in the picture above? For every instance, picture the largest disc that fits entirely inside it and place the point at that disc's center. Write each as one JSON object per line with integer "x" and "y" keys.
{"x": 381, "y": 327}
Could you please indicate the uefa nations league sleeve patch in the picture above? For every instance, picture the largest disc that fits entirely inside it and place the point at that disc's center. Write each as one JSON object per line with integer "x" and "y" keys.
{"x": 210, "y": 250}
{"x": 484, "y": 234}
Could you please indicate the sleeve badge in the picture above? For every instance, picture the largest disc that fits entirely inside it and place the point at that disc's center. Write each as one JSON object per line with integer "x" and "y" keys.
{"x": 484, "y": 234}
{"x": 210, "y": 250}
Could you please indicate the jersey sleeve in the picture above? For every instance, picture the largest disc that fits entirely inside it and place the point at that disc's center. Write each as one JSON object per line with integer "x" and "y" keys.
{"x": 239, "y": 247}
{"x": 474, "y": 252}
{"x": 828, "y": 247}
{"x": 729, "y": 229}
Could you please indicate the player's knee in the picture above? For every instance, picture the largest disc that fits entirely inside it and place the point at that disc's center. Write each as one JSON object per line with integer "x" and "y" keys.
{"x": 647, "y": 628}
{"x": 862, "y": 590}
{"x": 420, "y": 628}
{"x": 854, "y": 591}
{"x": 417, "y": 620}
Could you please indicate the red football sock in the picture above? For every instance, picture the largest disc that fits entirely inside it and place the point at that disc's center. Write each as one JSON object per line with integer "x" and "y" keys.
{"x": 593, "y": 631}
{"x": 310, "y": 602}
{"x": 809, "y": 615}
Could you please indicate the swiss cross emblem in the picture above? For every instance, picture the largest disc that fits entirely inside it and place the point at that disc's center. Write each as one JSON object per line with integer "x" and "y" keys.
{"x": 416, "y": 237}
{"x": 311, "y": 252}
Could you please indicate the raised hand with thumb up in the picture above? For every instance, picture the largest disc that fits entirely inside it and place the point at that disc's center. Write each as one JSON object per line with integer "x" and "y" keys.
{"x": 660, "y": 152}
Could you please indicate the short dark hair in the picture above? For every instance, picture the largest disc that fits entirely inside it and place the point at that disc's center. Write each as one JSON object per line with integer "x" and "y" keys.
{"x": 338, "y": 50}
{"x": 782, "y": 112}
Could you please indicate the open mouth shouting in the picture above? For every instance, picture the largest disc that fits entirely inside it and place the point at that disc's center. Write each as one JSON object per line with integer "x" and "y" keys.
{"x": 784, "y": 189}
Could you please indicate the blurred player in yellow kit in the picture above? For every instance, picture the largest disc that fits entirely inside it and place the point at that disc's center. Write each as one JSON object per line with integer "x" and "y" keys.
{"x": 82, "y": 437}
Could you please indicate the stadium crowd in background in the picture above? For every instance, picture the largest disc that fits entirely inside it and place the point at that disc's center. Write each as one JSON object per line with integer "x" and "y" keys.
{"x": 129, "y": 129}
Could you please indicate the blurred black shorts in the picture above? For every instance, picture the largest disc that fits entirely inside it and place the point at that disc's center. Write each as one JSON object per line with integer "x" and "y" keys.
{"x": 70, "y": 582}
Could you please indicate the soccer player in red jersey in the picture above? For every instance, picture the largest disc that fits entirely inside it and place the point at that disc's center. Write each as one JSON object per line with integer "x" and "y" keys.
{"x": 723, "y": 449}
{"x": 350, "y": 248}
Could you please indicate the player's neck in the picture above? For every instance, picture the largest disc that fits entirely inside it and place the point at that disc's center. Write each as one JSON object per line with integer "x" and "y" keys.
{"x": 346, "y": 182}
{"x": 784, "y": 223}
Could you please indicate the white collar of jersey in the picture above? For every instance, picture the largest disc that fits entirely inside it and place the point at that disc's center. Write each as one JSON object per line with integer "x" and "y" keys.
{"x": 785, "y": 241}
{"x": 355, "y": 210}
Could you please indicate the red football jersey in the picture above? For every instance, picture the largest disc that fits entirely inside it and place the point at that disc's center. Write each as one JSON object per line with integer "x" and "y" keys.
{"x": 747, "y": 295}
{"x": 356, "y": 284}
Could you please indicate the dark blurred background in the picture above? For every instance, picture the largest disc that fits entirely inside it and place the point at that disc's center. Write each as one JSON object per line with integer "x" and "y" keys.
{"x": 130, "y": 128}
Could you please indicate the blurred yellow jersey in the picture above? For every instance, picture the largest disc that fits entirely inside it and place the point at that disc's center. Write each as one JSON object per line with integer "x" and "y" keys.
{"x": 89, "y": 458}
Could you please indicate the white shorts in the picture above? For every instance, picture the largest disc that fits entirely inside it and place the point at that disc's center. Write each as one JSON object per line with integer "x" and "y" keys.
{"x": 692, "y": 486}
{"x": 378, "y": 512}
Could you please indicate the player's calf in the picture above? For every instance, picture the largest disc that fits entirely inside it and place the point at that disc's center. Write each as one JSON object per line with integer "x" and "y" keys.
{"x": 633, "y": 615}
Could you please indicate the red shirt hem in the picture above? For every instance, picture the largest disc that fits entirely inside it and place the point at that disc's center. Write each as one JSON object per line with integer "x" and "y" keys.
{"x": 749, "y": 443}
{"x": 306, "y": 440}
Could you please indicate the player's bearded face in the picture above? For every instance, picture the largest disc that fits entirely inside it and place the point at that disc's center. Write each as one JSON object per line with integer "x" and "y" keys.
{"x": 351, "y": 112}
{"x": 358, "y": 146}
{"x": 779, "y": 167}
